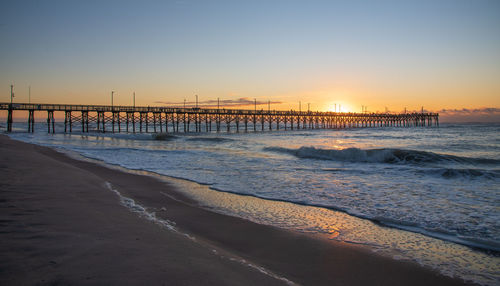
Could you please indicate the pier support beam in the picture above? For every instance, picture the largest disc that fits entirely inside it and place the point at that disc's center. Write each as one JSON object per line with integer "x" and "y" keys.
{"x": 140, "y": 121}
{"x": 31, "y": 121}
{"x": 101, "y": 121}
{"x": 127, "y": 120}
{"x": 9, "y": 118}
{"x": 115, "y": 119}
{"x": 207, "y": 129}
{"x": 85, "y": 121}
{"x": 217, "y": 123}
{"x": 154, "y": 122}
{"x": 133, "y": 122}
{"x": 67, "y": 121}
{"x": 50, "y": 121}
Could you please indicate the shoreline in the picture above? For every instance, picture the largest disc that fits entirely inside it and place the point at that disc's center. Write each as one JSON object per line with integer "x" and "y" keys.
{"x": 483, "y": 247}
{"x": 361, "y": 232}
{"x": 297, "y": 257}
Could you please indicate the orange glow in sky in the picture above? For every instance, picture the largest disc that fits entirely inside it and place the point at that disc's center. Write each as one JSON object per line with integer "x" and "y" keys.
{"x": 383, "y": 56}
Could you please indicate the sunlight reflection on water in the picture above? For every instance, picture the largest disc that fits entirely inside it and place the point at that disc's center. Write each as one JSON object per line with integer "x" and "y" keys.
{"x": 449, "y": 258}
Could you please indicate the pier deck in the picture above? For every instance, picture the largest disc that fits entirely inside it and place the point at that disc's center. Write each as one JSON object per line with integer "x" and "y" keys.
{"x": 102, "y": 118}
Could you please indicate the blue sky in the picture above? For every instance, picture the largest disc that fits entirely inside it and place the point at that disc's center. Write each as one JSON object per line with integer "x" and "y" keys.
{"x": 440, "y": 54}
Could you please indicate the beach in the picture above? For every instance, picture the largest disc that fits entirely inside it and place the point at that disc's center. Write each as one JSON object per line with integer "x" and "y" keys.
{"x": 63, "y": 224}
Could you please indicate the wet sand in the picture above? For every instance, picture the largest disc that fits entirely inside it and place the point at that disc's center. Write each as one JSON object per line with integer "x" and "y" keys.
{"x": 61, "y": 225}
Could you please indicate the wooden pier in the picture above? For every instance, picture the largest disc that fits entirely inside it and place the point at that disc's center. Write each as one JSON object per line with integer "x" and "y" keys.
{"x": 102, "y": 118}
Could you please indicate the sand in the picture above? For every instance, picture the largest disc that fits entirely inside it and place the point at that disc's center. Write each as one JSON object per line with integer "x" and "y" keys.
{"x": 60, "y": 224}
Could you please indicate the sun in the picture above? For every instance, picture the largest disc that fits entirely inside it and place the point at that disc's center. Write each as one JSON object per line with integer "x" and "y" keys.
{"x": 341, "y": 107}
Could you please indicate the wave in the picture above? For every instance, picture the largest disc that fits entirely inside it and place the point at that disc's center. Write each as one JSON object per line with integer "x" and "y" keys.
{"x": 450, "y": 173}
{"x": 163, "y": 137}
{"x": 293, "y": 134}
{"x": 491, "y": 246}
{"x": 385, "y": 155}
{"x": 209, "y": 139}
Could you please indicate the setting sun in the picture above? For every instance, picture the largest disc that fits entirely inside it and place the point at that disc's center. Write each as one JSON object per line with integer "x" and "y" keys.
{"x": 341, "y": 107}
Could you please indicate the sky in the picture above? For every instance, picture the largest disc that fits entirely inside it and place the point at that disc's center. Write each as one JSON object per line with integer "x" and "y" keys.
{"x": 386, "y": 55}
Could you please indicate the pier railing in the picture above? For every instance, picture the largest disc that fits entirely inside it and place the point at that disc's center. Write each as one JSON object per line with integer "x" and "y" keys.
{"x": 157, "y": 118}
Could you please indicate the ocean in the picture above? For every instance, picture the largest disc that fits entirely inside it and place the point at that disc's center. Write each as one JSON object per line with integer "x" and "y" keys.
{"x": 424, "y": 194}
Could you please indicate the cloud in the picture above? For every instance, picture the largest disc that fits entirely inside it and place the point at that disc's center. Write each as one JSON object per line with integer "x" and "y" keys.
{"x": 485, "y": 114}
{"x": 243, "y": 101}
{"x": 467, "y": 111}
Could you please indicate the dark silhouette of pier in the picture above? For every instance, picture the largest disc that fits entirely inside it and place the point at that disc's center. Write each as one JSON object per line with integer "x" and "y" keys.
{"x": 105, "y": 118}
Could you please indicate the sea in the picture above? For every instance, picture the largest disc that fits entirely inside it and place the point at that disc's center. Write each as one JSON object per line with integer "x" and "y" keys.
{"x": 425, "y": 194}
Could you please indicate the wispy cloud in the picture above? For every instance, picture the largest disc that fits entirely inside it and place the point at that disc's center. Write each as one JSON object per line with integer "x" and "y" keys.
{"x": 240, "y": 102}
{"x": 467, "y": 111}
{"x": 486, "y": 114}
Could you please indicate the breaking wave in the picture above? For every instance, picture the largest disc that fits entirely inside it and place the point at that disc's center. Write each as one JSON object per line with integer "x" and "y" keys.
{"x": 385, "y": 155}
